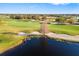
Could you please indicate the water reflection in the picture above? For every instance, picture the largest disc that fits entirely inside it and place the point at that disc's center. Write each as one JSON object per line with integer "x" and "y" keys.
{"x": 43, "y": 46}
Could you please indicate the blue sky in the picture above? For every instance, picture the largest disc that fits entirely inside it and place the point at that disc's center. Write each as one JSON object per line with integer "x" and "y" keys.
{"x": 39, "y": 8}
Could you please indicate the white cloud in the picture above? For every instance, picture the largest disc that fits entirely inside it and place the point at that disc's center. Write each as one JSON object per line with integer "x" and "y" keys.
{"x": 59, "y": 3}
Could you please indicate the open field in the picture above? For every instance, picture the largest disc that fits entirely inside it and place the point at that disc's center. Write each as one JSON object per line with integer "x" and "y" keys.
{"x": 18, "y": 26}
{"x": 65, "y": 29}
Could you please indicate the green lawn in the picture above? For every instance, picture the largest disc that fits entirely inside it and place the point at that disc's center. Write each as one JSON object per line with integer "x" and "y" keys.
{"x": 24, "y": 26}
{"x": 35, "y": 26}
{"x": 65, "y": 29}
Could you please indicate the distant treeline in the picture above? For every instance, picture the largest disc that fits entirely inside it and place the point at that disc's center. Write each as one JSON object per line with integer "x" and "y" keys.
{"x": 36, "y": 16}
{"x": 56, "y": 18}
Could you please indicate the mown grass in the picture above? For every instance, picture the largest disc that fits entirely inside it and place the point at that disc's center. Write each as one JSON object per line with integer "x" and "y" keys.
{"x": 65, "y": 29}
{"x": 8, "y": 41}
{"x": 24, "y": 26}
{"x": 35, "y": 26}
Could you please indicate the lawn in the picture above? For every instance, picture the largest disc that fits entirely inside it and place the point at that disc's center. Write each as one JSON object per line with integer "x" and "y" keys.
{"x": 35, "y": 26}
{"x": 24, "y": 26}
{"x": 65, "y": 29}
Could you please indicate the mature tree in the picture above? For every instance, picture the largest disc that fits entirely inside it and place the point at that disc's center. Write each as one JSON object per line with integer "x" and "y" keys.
{"x": 70, "y": 21}
{"x": 60, "y": 20}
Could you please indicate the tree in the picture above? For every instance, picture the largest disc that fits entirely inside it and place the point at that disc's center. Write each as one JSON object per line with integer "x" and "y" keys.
{"x": 60, "y": 20}
{"x": 12, "y": 16}
{"x": 70, "y": 21}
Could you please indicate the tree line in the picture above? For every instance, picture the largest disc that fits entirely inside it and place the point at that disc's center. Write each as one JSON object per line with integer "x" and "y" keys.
{"x": 60, "y": 19}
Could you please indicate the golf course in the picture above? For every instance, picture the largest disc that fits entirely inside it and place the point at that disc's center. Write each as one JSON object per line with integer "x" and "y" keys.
{"x": 12, "y": 27}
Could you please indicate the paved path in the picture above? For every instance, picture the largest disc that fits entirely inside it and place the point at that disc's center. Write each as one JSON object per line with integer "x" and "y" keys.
{"x": 60, "y": 36}
{"x": 54, "y": 35}
{"x": 64, "y": 37}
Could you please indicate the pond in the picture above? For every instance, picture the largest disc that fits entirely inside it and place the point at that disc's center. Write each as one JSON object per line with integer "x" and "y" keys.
{"x": 41, "y": 46}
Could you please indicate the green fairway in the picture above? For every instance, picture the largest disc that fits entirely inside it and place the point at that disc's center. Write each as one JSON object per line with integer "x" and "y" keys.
{"x": 35, "y": 26}
{"x": 65, "y": 29}
{"x": 24, "y": 26}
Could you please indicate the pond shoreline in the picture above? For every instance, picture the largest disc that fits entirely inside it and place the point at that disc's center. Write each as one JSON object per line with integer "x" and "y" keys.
{"x": 11, "y": 47}
{"x": 63, "y": 37}
{"x": 36, "y": 47}
{"x": 60, "y": 37}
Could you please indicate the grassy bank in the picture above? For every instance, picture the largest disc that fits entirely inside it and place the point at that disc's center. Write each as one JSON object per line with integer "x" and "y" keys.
{"x": 8, "y": 41}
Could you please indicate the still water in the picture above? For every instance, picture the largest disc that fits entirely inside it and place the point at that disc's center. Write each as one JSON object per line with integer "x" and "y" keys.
{"x": 39, "y": 46}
